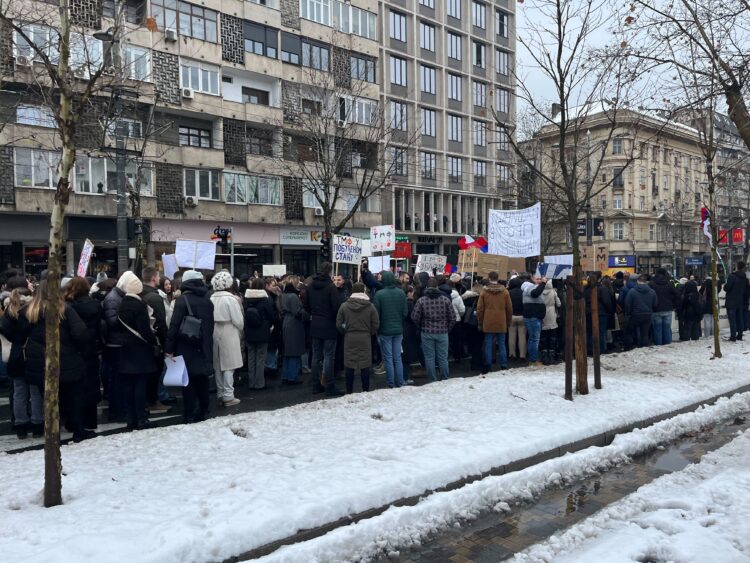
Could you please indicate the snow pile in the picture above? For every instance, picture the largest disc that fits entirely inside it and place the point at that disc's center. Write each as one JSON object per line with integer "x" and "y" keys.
{"x": 404, "y": 527}
{"x": 208, "y": 491}
{"x": 696, "y": 515}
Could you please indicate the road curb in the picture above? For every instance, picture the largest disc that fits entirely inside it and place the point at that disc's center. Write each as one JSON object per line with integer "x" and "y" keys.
{"x": 600, "y": 440}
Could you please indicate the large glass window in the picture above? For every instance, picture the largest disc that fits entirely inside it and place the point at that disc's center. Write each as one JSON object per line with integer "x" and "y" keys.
{"x": 427, "y": 36}
{"x": 454, "y": 46}
{"x": 454, "y": 8}
{"x": 480, "y": 133}
{"x": 503, "y": 175}
{"x": 428, "y": 79}
{"x": 618, "y": 231}
{"x": 455, "y": 125}
{"x": 36, "y": 168}
{"x": 398, "y": 71}
{"x": 201, "y": 183}
{"x": 358, "y": 110}
{"x": 35, "y": 115}
{"x": 261, "y": 40}
{"x": 194, "y": 137}
{"x": 454, "y": 169}
{"x": 501, "y": 62}
{"x": 187, "y": 19}
{"x": 502, "y": 100}
{"x": 99, "y": 175}
{"x": 363, "y": 68}
{"x": 428, "y": 165}
{"x": 245, "y": 188}
{"x": 480, "y": 93}
{"x": 478, "y": 14}
{"x": 350, "y": 19}
{"x": 45, "y": 40}
{"x": 398, "y": 26}
{"x": 428, "y": 122}
{"x": 315, "y": 56}
{"x": 200, "y": 77}
{"x": 316, "y": 10}
{"x": 501, "y": 23}
{"x": 480, "y": 173}
{"x": 454, "y": 87}
{"x": 291, "y": 48}
{"x": 428, "y": 3}
{"x": 479, "y": 51}
{"x": 398, "y": 161}
{"x": 136, "y": 62}
{"x": 399, "y": 117}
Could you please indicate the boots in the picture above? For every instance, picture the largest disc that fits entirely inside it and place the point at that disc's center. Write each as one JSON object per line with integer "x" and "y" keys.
{"x": 333, "y": 391}
{"x": 486, "y": 369}
{"x": 22, "y": 430}
{"x": 547, "y": 357}
{"x": 37, "y": 430}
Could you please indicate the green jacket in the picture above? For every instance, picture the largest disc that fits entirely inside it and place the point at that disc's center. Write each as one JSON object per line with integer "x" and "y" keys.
{"x": 390, "y": 303}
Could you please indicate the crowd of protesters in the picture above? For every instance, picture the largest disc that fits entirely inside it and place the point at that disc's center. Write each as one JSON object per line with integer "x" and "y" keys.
{"x": 116, "y": 335}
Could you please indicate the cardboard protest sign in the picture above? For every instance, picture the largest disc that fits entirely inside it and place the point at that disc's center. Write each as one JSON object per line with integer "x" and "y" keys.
{"x": 383, "y": 238}
{"x": 347, "y": 250}
{"x": 276, "y": 270}
{"x": 595, "y": 258}
{"x": 481, "y": 263}
{"x": 429, "y": 262}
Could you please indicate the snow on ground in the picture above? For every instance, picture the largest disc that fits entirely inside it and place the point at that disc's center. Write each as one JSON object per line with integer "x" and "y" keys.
{"x": 208, "y": 491}
{"x": 696, "y": 515}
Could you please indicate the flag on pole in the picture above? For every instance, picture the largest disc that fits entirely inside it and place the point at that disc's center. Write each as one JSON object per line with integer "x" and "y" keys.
{"x": 706, "y": 223}
{"x": 466, "y": 242}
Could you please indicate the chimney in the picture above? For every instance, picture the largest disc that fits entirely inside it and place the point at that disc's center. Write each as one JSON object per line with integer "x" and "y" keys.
{"x": 556, "y": 108}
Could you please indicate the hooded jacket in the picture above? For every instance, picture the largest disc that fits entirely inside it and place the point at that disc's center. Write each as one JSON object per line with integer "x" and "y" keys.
{"x": 494, "y": 309}
{"x": 260, "y": 301}
{"x": 640, "y": 300}
{"x": 390, "y": 304}
{"x": 358, "y": 320}
{"x": 516, "y": 295}
{"x": 736, "y": 290}
{"x": 667, "y": 296}
{"x": 198, "y": 358}
{"x": 229, "y": 323}
{"x": 433, "y": 313}
{"x": 322, "y": 302}
{"x": 533, "y": 302}
{"x": 551, "y": 303}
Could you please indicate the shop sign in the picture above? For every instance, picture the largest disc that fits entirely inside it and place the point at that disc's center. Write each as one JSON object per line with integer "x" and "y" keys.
{"x": 622, "y": 261}
{"x": 299, "y": 236}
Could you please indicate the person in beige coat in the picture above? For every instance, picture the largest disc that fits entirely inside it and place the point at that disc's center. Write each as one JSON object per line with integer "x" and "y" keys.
{"x": 549, "y": 324}
{"x": 228, "y": 324}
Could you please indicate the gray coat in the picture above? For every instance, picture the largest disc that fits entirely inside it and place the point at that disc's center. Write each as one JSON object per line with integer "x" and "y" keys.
{"x": 358, "y": 320}
{"x": 293, "y": 328}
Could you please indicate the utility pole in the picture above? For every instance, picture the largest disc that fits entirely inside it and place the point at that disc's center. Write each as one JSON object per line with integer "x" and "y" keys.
{"x": 674, "y": 254}
{"x": 589, "y": 219}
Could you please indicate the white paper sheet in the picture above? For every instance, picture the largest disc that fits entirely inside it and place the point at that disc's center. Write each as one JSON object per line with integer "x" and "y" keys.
{"x": 176, "y": 374}
{"x": 169, "y": 263}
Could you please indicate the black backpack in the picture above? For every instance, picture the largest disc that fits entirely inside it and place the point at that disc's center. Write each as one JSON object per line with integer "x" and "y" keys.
{"x": 191, "y": 327}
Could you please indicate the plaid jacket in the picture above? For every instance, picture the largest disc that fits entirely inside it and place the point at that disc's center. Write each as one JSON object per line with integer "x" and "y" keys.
{"x": 434, "y": 313}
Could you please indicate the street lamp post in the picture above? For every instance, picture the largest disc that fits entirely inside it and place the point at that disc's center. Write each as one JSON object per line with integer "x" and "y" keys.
{"x": 674, "y": 255}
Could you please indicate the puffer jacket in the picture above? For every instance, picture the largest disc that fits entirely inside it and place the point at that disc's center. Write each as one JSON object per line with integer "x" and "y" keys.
{"x": 516, "y": 295}
{"x": 533, "y": 302}
{"x": 494, "y": 309}
{"x": 552, "y": 304}
{"x": 390, "y": 303}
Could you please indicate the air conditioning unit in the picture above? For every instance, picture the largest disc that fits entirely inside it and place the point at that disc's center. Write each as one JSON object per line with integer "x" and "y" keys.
{"x": 341, "y": 122}
{"x": 188, "y": 93}
{"x": 318, "y": 211}
{"x": 80, "y": 73}
{"x": 23, "y": 60}
{"x": 170, "y": 35}
{"x": 190, "y": 202}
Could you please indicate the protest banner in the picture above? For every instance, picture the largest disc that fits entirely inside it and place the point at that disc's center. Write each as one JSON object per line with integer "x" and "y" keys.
{"x": 275, "y": 270}
{"x": 429, "y": 262}
{"x": 196, "y": 254}
{"x": 347, "y": 250}
{"x": 383, "y": 238}
{"x": 403, "y": 250}
{"x": 169, "y": 264}
{"x": 366, "y": 248}
{"x": 553, "y": 271}
{"x": 515, "y": 233}
{"x": 595, "y": 258}
{"x": 379, "y": 263}
{"x": 83, "y": 263}
{"x": 480, "y": 263}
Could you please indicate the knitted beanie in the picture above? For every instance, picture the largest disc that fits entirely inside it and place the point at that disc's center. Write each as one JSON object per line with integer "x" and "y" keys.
{"x": 192, "y": 275}
{"x": 129, "y": 283}
{"x": 221, "y": 281}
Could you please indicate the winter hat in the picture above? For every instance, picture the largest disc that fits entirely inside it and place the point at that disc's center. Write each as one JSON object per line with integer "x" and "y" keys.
{"x": 455, "y": 278}
{"x": 192, "y": 275}
{"x": 130, "y": 284}
{"x": 683, "y": 281}
{"x": 358, "y": 287}
{"x": 221, "y": 281}
{"x": 101, "y": 276}
{"x": 65, "y": 281}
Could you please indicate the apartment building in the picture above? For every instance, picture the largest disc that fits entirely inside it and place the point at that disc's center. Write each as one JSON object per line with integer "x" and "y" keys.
{"x": 447, "y": 74}
{"x": 648, "y": 194}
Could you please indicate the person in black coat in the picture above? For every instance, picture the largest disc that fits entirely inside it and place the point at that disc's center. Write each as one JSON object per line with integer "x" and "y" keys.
{"x": 90, "y": 311}
{"x": 260, "y": 321}
{"x": 150, "y": 278}
{"x": 73, "y": 341}
{"x": 114, "y": 385}
{"x": 138, "y": 361}
{"x": 198, "y": 357}
{"x": 691, "y": 312}
{"x": 667, "y": 300}
{"x": 736, "y": 290}
{"x": 411, "y": 349}
{"x": 322, "y": 301}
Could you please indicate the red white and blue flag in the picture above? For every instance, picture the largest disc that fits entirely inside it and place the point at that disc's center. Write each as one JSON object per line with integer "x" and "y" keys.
{"x": 467, "y": 241}
{"x": 706, "y": 223}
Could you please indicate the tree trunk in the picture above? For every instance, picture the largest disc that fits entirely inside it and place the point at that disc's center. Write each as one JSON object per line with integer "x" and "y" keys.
{"x": 595, "y": 344}
{"x": 738, "y": 112}
{"x": 582, "y": 384}
{"x": 569, "y": 336}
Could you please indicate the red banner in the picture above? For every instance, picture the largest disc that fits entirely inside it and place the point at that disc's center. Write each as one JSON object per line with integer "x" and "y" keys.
{"x": 738, "y": 236}
{"x": 403, "y": 250}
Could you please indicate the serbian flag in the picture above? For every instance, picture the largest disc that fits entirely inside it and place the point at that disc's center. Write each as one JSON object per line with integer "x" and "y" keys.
{"x": 467, "y": 241}
{"x": 449, "y": 269}
{"x": 706, "y": 223}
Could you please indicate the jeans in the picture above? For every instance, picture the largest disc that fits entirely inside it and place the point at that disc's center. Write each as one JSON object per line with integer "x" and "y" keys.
{"x": 534, "y": 330}
{"x": 224, "y": 384}
{"x": 390, "y": 347}
{"x": 292, "y": 365}
{"x": 271, "y": 358}
{"x": 638, "y": 326}
{"x": 257, "y": 353}
{"x": 364, "y": 373}
{"x": 517, "y": 332}
{"x": 489, "y": 344}
{"x": 324, "y": 356}
{"x": 736, "y": 322}
{"x": 708, "y": 324}
{"x": 602, "y": 333}
{"x": 22, "y": 392}
{"x": 662, "y": 322}
{"x": 435, "y": 347}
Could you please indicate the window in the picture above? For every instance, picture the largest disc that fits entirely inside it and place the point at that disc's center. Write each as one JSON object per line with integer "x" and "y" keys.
{"x": 399, "y": 117}
{"x": 618, "y": 180}
{"x": 136, "y": 62}
{"x": 616, "y": 146}
{"x": 35, "y": 168}
{"x": 502, "y": 100}
{"x": 617, "y": 202}
{"x": 428, "y": 122}
{"x": 503, "y": 174}
{"x": 200, "y": 77}
{"x": 642, "y": 177}
{"x": 478, "y": 53}
{"x": 603, "y": 201}
{"x": 454, "y": 46}
{"x": 316, "y": 10}
{"x": 311, "y": 107}
{"x": 618, "y": 231}
{"x": 427, "y": 36}
{"x": 454, "y": 128}
{"x": 501, "y": 62}
{"x": 193, "y": 137}
{"x": 480, "y": 133}
{"x": 454, "y": 169}
{"x": 192, "y": 21}
{"x": 398, "y": 71}
{"x": 35, "y": 115}
{"x": 244, "y": 188}
{"x": 503, "y": 142}
{"x": 478, "y": 14}
{"x": 398, "y": 26}
{"x": 454, "y": 87}
{"x": 350, "y": 19}
{"x": 255, "y": 96}
{"x": 480, "y": 93}
{"x": 428, "y": 3}
{"x": 665, "y": 181}
{"x": 97, "y": 175}
{"x": 501, "y": 23}
{"x": 480, "y": 173}
{"x": 130, "y": 128}
{"x": 132, "y": 10}
{"x": 363, "y": 68}
{"x": 261, "y": 40}
{"x": 259, "y": 141}
{"x": 398, "y": 161}
{"x": 291, "y": 48}
{"x": 315, "y": 56}
{"x": 428, "y": 79}
{"x": 358, "y": 110}
{"x": 428, "y": 165}
{"x": 454, "y": 8}
{"x": 642, "y": 202}
{"x": 203, "y": 184}
{"x": 652, "y": 231}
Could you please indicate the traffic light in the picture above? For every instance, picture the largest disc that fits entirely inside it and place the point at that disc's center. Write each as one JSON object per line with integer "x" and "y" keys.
{"x": 325, "y": 249}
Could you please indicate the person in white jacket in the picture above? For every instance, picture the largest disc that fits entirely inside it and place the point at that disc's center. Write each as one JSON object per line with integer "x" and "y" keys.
{"x": 549, "y": 324}
{"x": 228, "y": 325}
{"x": 456, "y": 337}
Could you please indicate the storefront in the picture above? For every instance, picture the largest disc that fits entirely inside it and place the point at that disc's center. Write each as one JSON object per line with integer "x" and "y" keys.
{"x": 301, "y": 247}
{"x": 254, "y": 245}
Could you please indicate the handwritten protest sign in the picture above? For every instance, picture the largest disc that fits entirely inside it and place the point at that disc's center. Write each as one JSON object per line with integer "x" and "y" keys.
{"x": 595, "y": 258}
{"x": 277, "y": 270}
{"x": 515, "y": 233}
{"x": 429, "y": 262}
{"x": 347, "y": 250}
{"x": 83, "y": 263}
{"x": 383, "y": 238}
{"x": 379, "y": 263}
{"x": 481, "y": 263}
{"x": 169, "y": 263}
{"x": 197, "y": 254}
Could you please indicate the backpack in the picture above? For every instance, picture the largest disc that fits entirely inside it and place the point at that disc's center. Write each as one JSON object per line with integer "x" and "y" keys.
{"x": 191, "y": 327}
{"x": 253, "y": 318}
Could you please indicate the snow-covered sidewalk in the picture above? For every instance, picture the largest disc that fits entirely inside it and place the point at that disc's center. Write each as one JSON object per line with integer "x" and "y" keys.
{"x": 212, "y": 490}
{"x": 696, "y": 515}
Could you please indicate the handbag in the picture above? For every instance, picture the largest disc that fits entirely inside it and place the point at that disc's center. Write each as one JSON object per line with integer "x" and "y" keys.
{"x": 470, "y": 316}
{"x": 191, "y": 326}
{"x": 156, "y": 348}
